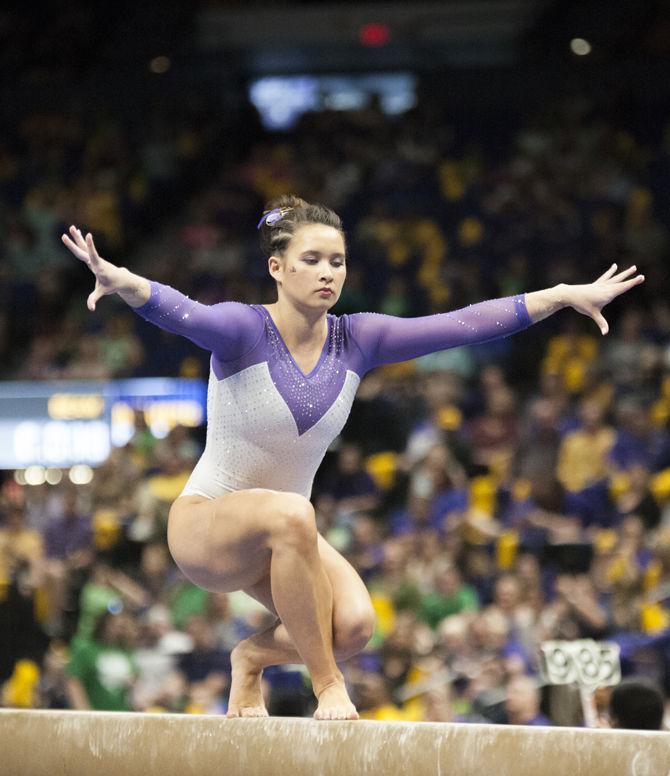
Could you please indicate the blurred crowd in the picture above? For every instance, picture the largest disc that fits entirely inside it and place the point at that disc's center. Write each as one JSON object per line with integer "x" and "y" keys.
{"x": 117, "y": 180}
{"x": 492, "y": 498}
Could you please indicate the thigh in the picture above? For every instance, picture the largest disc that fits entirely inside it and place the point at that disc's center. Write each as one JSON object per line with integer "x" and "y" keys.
{"x": 351, "y": 599}
{"x": 223, "y": 544}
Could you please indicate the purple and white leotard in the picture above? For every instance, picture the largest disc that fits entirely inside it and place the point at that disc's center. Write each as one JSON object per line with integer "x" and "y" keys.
{"x": 269, "y": 425}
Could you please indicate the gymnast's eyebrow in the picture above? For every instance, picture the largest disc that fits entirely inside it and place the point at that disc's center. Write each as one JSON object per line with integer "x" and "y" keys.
{"x": 318, "y": 253}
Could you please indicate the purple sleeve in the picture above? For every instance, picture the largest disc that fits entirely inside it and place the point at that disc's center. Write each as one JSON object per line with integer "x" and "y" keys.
{"x": 384, "y": 339}
{"x": 228, "y": 329}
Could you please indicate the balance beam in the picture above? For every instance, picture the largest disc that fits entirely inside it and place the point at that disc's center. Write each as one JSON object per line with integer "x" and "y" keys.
{"x": 72, "y": 743}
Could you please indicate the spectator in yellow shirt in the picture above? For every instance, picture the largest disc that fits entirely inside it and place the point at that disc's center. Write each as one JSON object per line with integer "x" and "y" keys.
{"x": 20, "y": 546}
{"x": 583, "y": 454}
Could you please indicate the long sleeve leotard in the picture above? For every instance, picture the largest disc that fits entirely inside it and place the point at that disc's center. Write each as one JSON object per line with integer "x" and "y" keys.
{"x": 269, "y": 424}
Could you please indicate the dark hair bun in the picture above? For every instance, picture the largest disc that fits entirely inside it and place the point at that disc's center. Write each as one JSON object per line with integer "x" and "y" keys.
{"x": 286, "y": 200}
{"x": 291, "y": 212}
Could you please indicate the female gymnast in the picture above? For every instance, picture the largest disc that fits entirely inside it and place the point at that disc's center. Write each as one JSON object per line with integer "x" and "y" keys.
{"x": 282, "y": 381}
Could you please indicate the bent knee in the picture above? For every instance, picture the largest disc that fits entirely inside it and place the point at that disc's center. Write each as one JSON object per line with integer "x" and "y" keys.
{"x": 353, "y": 635}
{"x": 293, "y": 519}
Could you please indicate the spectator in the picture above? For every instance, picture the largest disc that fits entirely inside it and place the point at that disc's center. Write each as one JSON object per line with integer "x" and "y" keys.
{"x": 69, "y": 547}
{"x": 53, "y": 682}
{"x": 583, "y": 454}
{"x": 121, "y": 351}
{"x": 622, "y": 354}
{"x": 450, "y": 596}
{"x": 637, "y": 499}
{"x": 102, "y": 669}
{"x": 105, "y": 590}
{"x": 352, "y": 488}
{"x": 522, "y": 702}
{"x": 637, "y": 441}
{"x": 205, "y": 656}
{"x": 494, "y": 434}
{"x": 583, "y": 465}
{"x": 70, "y": 532}
{"x": 21, "y": 549}
{"x": 582, "y": 615}
{"x": 374, "y": 699}
{"x": 508, "y": 602}
{"x": 636, "y": 704}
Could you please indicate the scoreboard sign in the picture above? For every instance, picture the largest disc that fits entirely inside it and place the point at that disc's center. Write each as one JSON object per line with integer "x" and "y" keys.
{"x": 72, "y": 422}
{"x": 584, "y": 661}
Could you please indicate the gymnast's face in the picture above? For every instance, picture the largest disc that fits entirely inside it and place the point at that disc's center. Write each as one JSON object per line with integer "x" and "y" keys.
{"x": 314, "y": 260}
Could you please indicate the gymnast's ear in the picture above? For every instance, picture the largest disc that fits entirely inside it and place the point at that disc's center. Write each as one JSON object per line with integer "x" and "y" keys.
{"x": 275, "y": 267}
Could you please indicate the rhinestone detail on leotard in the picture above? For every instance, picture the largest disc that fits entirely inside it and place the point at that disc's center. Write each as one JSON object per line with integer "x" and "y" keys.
{"x": 307, "y": 396}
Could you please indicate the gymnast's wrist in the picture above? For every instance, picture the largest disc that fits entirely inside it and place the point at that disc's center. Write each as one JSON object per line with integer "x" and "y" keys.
{"x": 124, "y": 281}
{"x": 560, "y": 296}
{"x": 542, "y": 304}
{"x": 133, "y": 289}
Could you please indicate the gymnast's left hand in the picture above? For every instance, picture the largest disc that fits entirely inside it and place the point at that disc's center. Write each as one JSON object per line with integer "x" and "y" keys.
{"x": 589, "y": 299}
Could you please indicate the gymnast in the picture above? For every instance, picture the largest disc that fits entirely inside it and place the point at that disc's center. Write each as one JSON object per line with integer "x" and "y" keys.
{"x": 282, "y": 381}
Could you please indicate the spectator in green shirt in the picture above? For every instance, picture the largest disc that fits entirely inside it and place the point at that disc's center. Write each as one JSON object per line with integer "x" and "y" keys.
{"x": 106, "y": 589}
{"x": 450, "y": 596}
{"x": 102, "y": 670}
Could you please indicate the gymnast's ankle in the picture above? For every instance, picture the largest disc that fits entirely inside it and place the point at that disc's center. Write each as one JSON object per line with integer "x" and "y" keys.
{"x": 330, "y": 680}
{"x": 245, "y": 653}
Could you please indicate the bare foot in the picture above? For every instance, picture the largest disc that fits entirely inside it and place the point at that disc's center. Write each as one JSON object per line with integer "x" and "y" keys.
{"x": 334, "y": 703}
{"x": 246, "y": 696}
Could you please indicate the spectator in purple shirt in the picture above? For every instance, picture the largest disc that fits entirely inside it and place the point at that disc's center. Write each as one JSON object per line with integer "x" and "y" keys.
{"x": 70, "y": 533}
{"x": 68, "y": 542}
{"x": 522, "y": 702}
{"x": 638, "y": 442}
{"x": 350, "y": 485}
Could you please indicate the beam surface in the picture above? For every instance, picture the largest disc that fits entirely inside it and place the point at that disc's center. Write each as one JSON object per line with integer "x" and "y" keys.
{"x": 71, "y": 743}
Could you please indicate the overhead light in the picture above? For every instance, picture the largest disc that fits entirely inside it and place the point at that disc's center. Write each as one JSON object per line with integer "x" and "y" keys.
{"x": 53, "y": 476}
{"x": 35, "y": 475}
{"x": 374, "y": 34}
{"x": 159, "y": 65}
{"x": 81, "y": 474}
{"x": 580, "y": 47}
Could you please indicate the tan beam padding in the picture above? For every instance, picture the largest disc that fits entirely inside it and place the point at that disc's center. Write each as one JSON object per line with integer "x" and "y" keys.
{"x": 71, "y": 743}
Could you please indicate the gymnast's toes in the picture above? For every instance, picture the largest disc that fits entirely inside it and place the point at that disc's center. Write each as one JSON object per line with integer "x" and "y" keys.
{"x": 341, "y": 712}
{"x": 254, "y": 711}
{"x": 334, "y": 703}
{"x": 247, "y": 711}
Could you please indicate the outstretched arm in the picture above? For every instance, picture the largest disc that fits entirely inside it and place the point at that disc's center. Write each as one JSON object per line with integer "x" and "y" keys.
{"x": 228, "y": 329}
{"x": 384, "y": 339}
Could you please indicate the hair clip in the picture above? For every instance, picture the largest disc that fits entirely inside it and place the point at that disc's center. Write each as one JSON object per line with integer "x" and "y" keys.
{"x": 272, "y": 216}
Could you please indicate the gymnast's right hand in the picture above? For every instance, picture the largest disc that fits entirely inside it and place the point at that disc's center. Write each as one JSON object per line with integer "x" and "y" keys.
{"x": 109, "y": 279}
